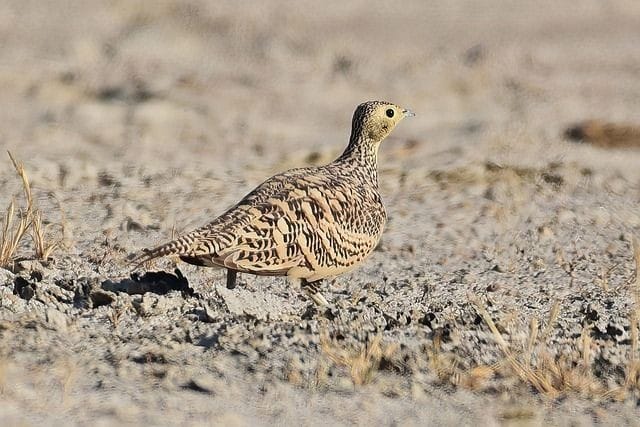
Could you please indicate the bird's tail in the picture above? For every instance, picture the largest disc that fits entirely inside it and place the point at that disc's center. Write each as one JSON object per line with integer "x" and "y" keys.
{"x": 175, "y": 247}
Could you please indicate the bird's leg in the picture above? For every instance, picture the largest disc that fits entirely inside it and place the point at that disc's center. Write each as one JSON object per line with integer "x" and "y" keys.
{"x": 312, "y": 289}
{"x": 231, "y": 278}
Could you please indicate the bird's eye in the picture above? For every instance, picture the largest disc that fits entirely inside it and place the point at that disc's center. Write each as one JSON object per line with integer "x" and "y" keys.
{"x": 390, "y": 113}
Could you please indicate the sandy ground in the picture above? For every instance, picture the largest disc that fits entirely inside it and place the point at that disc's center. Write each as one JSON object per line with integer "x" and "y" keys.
{"x": 137, "y": 121}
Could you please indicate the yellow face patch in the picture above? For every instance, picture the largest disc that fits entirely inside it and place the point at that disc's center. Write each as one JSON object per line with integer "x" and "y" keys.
{"x": 380, "y": 118}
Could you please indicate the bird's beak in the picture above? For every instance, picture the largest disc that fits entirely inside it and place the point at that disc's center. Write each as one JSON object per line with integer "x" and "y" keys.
{"x": 408, "y": 113}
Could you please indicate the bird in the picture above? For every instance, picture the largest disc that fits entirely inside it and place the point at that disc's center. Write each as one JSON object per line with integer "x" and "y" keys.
{"x": 308, "y": 224}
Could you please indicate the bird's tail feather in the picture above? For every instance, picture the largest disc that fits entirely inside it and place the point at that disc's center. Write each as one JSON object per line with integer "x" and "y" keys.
{"x": 174, "y": 247}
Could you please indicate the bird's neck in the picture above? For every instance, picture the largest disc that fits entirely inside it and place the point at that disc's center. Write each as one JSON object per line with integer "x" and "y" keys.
{"x": 362, "y": 154}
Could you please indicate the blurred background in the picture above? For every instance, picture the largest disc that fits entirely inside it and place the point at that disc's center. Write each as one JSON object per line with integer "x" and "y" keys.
{"x": 245, "y": 80}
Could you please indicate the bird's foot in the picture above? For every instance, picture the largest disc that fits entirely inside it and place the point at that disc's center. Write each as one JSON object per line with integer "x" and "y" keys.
{"x": 231, "y": 278}
{"x": 318, "y": 299}
{"x": 312, "y": 289}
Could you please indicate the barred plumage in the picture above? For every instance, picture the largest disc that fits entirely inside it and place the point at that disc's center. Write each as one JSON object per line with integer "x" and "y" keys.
{"x": 308, "y": 223}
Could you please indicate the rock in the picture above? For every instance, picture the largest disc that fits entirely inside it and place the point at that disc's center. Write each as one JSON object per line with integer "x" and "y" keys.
{"x": 100, "y": 297}
{"x": 23, "y": 288}
{"x": 6, "y": 277}
{"x": 32, "y": 266}
{"x": 209, "y": 315}
{"x": 144, "y": 305}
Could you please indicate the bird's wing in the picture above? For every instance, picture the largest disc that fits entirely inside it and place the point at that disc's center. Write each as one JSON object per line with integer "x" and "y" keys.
{"x": 272, "y": 235}
{"x": 222, "y": 233}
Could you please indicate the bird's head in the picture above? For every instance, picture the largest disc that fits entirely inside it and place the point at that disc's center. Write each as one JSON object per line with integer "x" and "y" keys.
{"x": 374, "y": 120}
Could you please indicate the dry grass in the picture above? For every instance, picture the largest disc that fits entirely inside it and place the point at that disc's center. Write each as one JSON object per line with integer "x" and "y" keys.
{"x": 13, "y": 230}
{"x": 28, "y": 220}
{"x": 115, "y": 314}
{"x": 553, "y": 316}
{"x": 362, "y": 363}
{"x": 444, "y": 364}
{"x": 558, "y": 376}
{"x": 42, "y": 246}
{"x": 551, "y": 376}
{"x": 632, "y": 378}
{"x": 636, "y": 257}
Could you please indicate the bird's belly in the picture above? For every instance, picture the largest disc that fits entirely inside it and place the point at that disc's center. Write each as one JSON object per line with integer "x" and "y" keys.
{"x": 329, "y": 258}
{"x": 320, "y": 273}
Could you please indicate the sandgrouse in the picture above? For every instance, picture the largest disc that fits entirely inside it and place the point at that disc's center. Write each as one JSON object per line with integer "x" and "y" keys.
{"x": 308, "y": 223}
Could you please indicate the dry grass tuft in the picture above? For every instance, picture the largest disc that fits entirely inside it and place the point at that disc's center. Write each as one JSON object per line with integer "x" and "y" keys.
{"x": 115, "y": 314}
{"x": 12, "y": 234}
{"x": 551, "y": 376}
{"x": 27, "y": 221}
{"x": 553, "y": 316}
{"x": 444, "y": 364}
{"x": 42, "y": 246}
{"x": 362, "y": 363}
{"x": 632, "y": 379}
{"x": 476, "y": 378}
{"x": 533, "y": 337}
